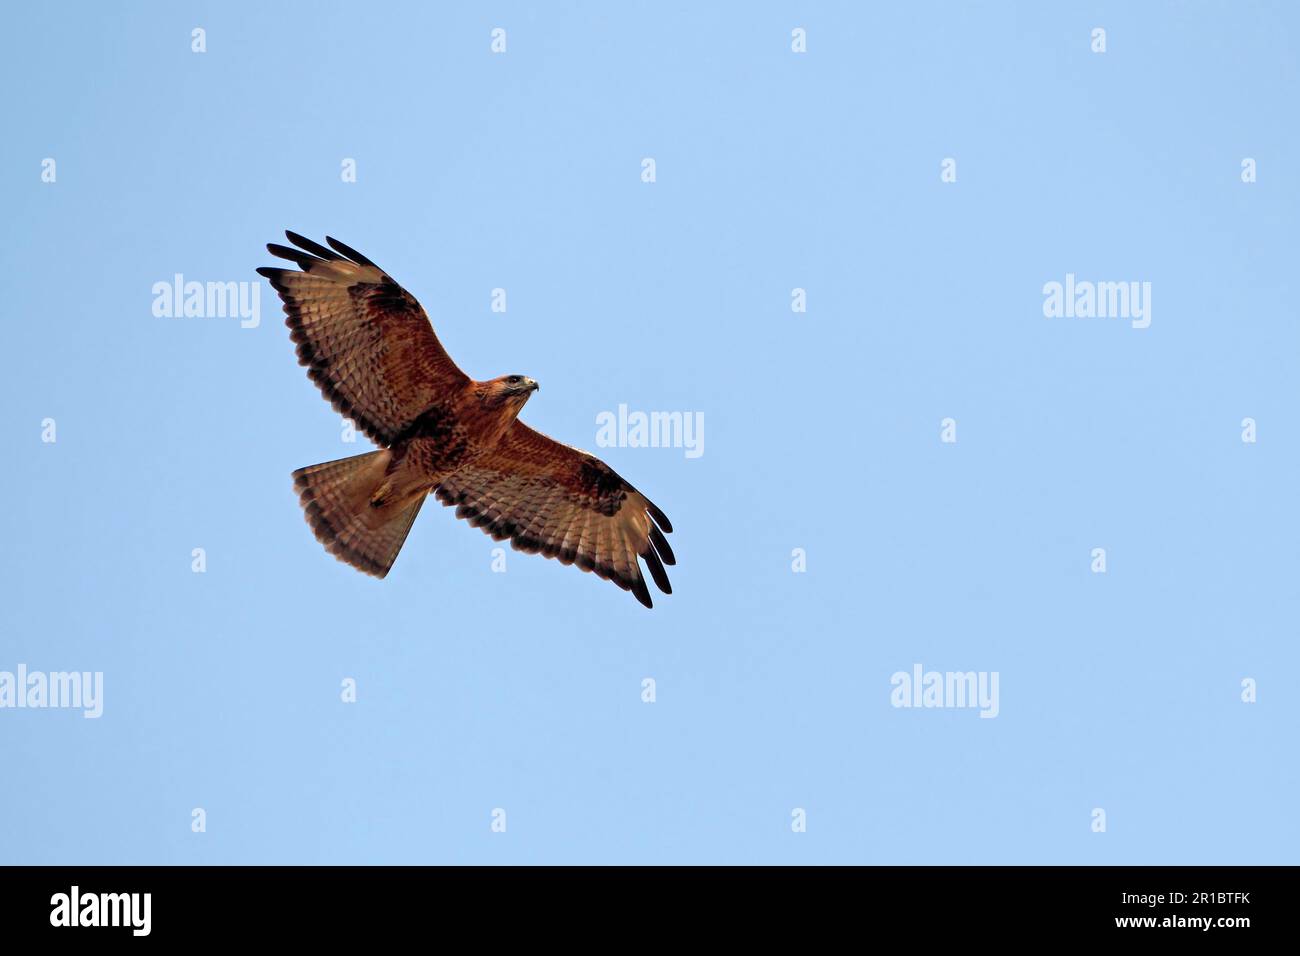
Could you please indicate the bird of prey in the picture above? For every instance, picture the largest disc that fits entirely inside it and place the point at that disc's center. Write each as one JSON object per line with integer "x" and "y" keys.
{"x": 371, "y": 349}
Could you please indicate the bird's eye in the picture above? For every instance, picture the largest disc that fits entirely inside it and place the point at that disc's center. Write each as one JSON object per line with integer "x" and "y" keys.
{"x": 514, "y": 380}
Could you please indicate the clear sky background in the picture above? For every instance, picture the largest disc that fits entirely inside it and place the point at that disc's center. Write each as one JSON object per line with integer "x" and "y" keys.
{"x": 775, "y": 170}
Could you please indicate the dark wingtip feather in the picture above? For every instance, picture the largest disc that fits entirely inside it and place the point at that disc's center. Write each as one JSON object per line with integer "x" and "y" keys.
{"x": 304, "y": 260}
{"x": 660, "y": 518}
{"x": 315, "y": 248}
{"x": 348, "y": 251}
{"x": 656, "y": 569}
{"x": 642, "y": 592}
{"x": 269, "y": 273}
{"x": 661, "y": 545}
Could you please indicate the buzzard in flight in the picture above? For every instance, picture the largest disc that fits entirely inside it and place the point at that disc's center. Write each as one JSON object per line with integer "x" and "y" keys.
{"x": 370, "y": 348}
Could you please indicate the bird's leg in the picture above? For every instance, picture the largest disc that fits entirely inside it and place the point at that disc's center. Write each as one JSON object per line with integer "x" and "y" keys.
{"x": 402, "y": 483}
{"x": 383, "y": 494}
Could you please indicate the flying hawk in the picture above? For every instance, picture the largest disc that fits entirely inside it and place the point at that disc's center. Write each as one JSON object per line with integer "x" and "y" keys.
{"x": 371, "y": 349}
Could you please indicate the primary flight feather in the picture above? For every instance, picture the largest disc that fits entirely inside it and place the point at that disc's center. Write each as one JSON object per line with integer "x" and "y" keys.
{"x": 371, "y": 349}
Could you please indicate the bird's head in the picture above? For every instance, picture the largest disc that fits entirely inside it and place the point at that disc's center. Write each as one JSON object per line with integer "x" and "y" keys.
{"x": 512, "y": 390}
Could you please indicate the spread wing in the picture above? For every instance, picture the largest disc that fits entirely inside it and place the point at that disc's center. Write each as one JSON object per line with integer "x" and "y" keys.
{"x": 550, "y": 498}
{"x": 365, "y": 341}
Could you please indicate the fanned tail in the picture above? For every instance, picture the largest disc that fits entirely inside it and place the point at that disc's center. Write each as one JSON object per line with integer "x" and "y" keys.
{"x": 338, "y": 499}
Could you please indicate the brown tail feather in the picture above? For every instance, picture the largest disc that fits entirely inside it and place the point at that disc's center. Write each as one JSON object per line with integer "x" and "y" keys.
{"x": 336, "y": 496}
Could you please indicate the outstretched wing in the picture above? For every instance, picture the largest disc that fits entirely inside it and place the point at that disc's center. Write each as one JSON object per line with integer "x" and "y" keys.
{"x": 364, "y": 339}
{"x": 547, "y": 497}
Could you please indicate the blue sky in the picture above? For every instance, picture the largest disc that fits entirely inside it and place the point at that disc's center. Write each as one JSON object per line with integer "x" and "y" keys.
{"x": 774, "y": 170}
